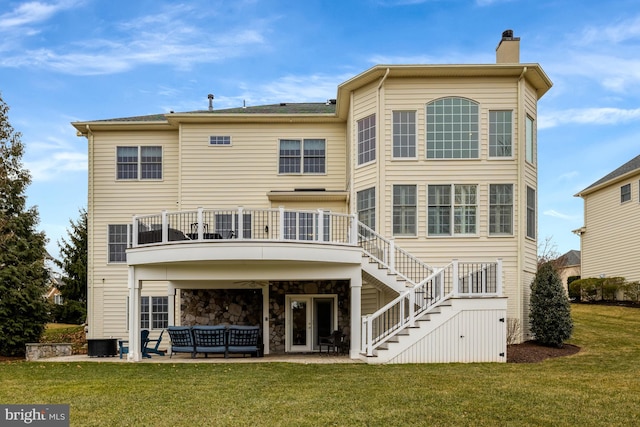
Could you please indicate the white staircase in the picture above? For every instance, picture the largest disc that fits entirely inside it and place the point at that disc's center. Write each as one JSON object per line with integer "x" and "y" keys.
{"x": 451, "y": 314}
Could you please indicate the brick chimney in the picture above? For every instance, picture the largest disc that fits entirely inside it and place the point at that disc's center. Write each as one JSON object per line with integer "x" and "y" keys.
{"x": 508, "y": 50}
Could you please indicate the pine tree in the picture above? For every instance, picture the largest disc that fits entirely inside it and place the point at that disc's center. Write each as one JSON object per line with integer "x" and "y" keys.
{"x": 551, "y": 322}
{"x": 74, "y": 261}
{"x": 23, "y": 276}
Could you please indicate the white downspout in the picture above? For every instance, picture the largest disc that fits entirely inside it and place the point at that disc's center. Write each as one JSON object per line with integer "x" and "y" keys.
{"x": 379, "y": 154}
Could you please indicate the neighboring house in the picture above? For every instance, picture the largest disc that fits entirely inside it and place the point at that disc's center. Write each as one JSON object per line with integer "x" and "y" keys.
{"x": 568, "y": 266}
{"x": 53, "y": 294}
{"x": 610, "y": 236}
{"x": 411, "y": 196}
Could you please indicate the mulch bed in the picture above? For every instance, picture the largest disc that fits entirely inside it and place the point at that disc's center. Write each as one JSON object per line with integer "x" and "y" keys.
{"x": 532, "y": 352}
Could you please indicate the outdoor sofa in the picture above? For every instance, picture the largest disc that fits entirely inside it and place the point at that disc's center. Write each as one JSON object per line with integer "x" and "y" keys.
{"x": 219, "y": 339}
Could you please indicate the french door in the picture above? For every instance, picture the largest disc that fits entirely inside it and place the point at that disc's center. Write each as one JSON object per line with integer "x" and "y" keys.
{"x": 309, "y": 317}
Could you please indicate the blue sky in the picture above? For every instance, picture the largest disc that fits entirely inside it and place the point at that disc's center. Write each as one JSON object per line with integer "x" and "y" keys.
{"x": 77, "y": 60}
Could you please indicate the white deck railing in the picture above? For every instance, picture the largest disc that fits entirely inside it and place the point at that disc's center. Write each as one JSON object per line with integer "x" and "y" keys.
{"x": 456, "y": 279}
{"x": 243, "y": 224}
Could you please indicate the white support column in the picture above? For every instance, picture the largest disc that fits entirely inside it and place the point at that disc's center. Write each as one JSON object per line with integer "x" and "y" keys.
{"x": 265, "y": 318}
{"x": 135, "y": 350}
{"x": 320, "y": 227}
{"x": 354, "y": 229}
{"x": 165, "y": 227}
{"x": 134, "y": 237}
{"x": 240, "y": 223}
{"x": 171, "y": 293}
{"x": 454, "y": 279}
{"x": 499, "y": 278}
{"x": 281, "y": 228}
{"x": 200, "y": 226}
{"x": 356, "y": 313}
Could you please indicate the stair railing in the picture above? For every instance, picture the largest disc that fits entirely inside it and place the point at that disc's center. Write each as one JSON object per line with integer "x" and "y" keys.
{"x": 385, "y": 252}
{"x": 455, "y": 279}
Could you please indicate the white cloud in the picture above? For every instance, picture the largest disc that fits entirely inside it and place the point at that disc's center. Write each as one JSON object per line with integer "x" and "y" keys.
{"x": 52, "y": 166}
{"x": 32, "y": 13}
{"x": 625, "y": 30}
{"x": 589, "y": 116}
{"x": 556, "y": 214}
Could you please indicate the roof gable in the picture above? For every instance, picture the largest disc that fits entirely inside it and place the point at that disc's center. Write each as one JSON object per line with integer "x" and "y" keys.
{"x": 630, "y": 166}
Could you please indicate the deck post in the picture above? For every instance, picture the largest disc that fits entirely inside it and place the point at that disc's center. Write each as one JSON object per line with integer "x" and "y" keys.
{"x": 391, "y": 257}
{"x": 165, "y": 227}
{"x": 200, "y": 224}
{"x": 171, "y": 294}
{"x": 499, "y": 278}
{"x": 240, "y": 224}
{"x": 454, "y": 279}
{"x": 354, "y": 230}
{"x": 412, "y": 307}
{"x": 134, "y": 237}
{"x": 281, "y": 228}
{"x": 320, "y": 227}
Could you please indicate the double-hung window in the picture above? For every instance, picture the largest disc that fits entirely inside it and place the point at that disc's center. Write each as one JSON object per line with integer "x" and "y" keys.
{"x": 367, "y": 139}
{"x": 625, "y": 193}
{"x": 452, "y": 204}
{"x": 144, "y": 162}
{"x": 529, "y": 140}
{"x": 154, "y": 312}
{"x": 404, "y": 210}
{"x": 531, "y": 213}
{"x": 500, "y": 134}
{"x": 118, "y": 239}
{"x": 500, "y": 209}
{"x": 366, "y": 204}
{"x": 452, "y": 129}
{"x": 302, "y": 156}
{"x": 404, "y": 134}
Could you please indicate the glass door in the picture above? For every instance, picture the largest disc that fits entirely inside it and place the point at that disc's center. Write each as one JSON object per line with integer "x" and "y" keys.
{"x": 308, "y": 318}
{"x": 299, "y": 315}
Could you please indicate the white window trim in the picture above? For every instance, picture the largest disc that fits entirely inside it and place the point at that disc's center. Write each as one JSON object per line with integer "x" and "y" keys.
{"x": 357, "y": 139}
{"x": 127, "y": 243}
{"x": 513, "y": 209}
{"x": 139, "y": 163}
{"x": 302, "y": 172}
{"x": 416, "y": 144}
{"x": 513, "y": 137}
{"x": 417, "y": 205}
{"x": 453, "y": 234}
{"x": 630, "y": 193}
{"x": 220, "y": 145}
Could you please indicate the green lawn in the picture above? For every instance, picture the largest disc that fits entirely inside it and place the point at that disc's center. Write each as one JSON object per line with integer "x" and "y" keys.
{"x": 598, "y": 386}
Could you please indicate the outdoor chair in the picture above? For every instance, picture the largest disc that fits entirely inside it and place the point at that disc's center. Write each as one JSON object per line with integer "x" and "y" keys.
{"x": 181, "y": 340}
{"x": 244, "y": 339}
{"x": 144, "y": 341}
{"x": 155, "y": 349}
{"x": 209, "y": 339}
{"x": 333, "y": 341}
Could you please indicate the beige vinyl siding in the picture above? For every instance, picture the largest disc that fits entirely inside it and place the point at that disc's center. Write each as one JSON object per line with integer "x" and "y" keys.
{"x": 241, "y": 174}
{"x": 612, "y": 238}
{"x": 115, "y": 202}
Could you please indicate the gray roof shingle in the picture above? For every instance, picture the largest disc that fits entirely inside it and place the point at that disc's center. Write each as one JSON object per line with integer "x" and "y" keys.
{"x": 630, "y": 166}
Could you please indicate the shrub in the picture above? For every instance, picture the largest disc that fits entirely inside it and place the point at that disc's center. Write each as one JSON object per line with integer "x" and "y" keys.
{"x": 551, "y": 321}
{"x": 73, "y": 312}
{"x": 632, "y": 291}
{"x": 611, "y": 286}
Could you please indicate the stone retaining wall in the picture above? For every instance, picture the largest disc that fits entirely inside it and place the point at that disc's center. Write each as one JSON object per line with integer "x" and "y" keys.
{"x": 37, "y": 351}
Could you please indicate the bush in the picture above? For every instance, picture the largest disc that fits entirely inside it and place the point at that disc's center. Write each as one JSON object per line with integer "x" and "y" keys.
{"x": 73, "y": 312}
{"x": 632, "y": 291}
{"x": 551, "y": 321}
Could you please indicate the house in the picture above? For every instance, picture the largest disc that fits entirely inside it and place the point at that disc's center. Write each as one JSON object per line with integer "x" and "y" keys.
{"x": 402, "y": 213}
{"x": 610, "y": 236}
{"x": 568, "y": 265}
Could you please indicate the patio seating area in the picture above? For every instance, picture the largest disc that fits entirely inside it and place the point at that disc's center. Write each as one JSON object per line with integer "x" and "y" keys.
{"x": 219, "y": 339}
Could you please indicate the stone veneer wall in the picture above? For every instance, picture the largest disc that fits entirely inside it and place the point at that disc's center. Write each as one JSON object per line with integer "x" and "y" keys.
{"x": 221, "y": 307}
{"x": 35, "y": 351}
{"x": 277, "y": 307}
{"x": 244, "y": 306}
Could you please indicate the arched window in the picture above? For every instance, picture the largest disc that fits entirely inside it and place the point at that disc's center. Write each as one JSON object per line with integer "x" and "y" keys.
{"x": 452, "y": 129}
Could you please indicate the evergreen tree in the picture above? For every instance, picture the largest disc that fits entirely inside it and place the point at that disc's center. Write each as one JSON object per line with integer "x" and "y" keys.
{"x": 74, "y": 261}
{"x": 551, "y": 322}
{"x": 23, "y": 276}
